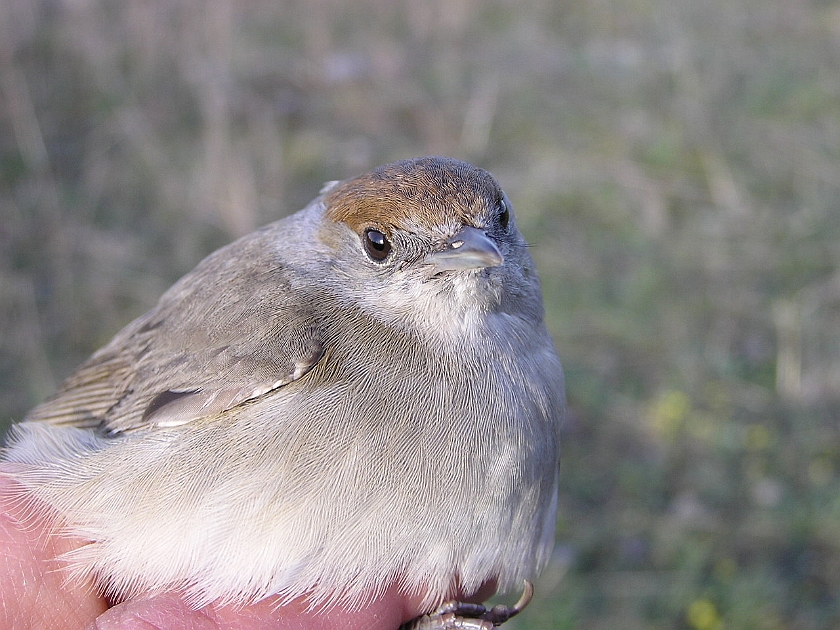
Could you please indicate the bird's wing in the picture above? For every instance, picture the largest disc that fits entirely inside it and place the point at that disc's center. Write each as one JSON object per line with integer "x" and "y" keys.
{"x": 230, "y": 331}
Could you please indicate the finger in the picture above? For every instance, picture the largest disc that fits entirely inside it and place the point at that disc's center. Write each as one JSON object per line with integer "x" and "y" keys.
{"x": 34, "y": 591}
{"x": 170, "y": 612}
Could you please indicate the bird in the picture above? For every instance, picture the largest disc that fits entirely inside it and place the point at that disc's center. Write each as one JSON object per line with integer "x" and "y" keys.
{"x": 360, "y": 395}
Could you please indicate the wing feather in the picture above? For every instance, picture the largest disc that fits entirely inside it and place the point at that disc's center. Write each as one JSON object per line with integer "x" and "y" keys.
{"x": 223, "y": 335}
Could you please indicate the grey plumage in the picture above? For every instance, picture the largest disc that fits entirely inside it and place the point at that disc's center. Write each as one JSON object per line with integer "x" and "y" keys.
{"x": 296, "y": 417}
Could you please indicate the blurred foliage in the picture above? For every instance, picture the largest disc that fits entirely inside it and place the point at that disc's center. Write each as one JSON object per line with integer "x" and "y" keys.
{"x": 676, "y": 164}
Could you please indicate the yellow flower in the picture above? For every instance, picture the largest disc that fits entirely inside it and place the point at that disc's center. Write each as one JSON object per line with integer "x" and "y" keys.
{"x": 703, "y": 615}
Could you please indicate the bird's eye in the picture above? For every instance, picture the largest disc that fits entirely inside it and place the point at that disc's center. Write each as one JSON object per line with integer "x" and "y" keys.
{"x": 504, "y": 213}
{"x": 376, "y": 244}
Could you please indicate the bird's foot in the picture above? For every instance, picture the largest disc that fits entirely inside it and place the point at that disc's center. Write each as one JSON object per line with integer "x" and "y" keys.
{"x": 455, "y": 615}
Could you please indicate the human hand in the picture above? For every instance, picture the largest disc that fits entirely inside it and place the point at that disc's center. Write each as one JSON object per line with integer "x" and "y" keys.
{"x": 36, "y": 593}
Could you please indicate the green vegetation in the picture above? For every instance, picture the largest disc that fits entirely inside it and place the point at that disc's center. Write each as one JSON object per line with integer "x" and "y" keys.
{"x": 675, "y": 163}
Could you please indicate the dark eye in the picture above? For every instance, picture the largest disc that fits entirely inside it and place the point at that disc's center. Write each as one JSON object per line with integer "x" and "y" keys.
{"x": 376, "y": 244}
{"x": 504, "y": 213}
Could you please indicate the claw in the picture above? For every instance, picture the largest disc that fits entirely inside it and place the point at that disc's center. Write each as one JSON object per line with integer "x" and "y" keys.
{"x": 500, "y": 613}
{"x": 457, "y": 615}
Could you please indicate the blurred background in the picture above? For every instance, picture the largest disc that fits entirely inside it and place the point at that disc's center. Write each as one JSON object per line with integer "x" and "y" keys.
{"x": 676, "y": 164}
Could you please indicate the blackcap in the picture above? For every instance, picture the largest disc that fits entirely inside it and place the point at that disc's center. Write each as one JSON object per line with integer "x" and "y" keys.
{"x": 361, "y": 395}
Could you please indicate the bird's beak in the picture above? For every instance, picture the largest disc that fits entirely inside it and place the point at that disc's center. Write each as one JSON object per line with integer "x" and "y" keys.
{"x": 470, "y": 248}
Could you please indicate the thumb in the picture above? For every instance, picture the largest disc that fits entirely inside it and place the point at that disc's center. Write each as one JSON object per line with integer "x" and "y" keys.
{"x": 170, "y": 612}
